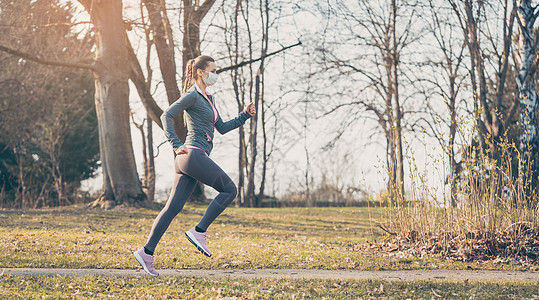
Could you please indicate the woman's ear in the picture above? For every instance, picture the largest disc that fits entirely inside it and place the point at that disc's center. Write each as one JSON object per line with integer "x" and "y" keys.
{"x": 199, "y": 73}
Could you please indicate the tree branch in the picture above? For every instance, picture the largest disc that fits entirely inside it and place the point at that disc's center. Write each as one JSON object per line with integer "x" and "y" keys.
{"x": 37, "y": 59}
{"x": 511, "y": 114}
{"x": 46, "y": 25}
{"x": 536, "y": 14}
{"x": 203, "y": 9}
{"x": 137, "y": 77}
{"x": 255, "y": 60}
{"x": 339, "y": 106}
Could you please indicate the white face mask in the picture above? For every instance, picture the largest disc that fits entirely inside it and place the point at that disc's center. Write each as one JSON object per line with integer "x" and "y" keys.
{"x": 211, "y": 79}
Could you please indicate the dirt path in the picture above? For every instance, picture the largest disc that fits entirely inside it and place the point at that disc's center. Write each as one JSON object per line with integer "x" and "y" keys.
{"x": 406, "y": 275}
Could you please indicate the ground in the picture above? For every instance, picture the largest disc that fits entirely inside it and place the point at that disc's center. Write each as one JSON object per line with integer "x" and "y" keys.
{"x": 304, "y": 239}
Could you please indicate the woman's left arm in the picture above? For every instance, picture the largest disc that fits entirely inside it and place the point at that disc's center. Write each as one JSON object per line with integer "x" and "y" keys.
{"x": 224, "y": 127}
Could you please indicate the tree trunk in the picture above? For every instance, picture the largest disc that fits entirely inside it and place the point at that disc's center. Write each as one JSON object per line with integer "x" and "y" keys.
{"x": 111, "y": 72}
{"x": 308, "y": 198}
{"x": 529, "y": 146}
{"x": 21, "y": 189}
{"x": 149, "y": 171}
{"x": 252, "y": 139}
{"x": 253, "y": 82}
{"x": 242, "y": 161}
{"x": 147, "y": 155}
{"x": 399, "y": 157}
{"x": 452, "y": 135}
{"x": 149, "y": 162}
{"x": 393, "y": 111}
{"x": 264, "y": 15}
{"x": 242, "y": 153}
{"x": 265, "y": 155}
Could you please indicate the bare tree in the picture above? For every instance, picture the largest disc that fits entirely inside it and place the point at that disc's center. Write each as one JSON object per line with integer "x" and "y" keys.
{"x": 42, "y": 109}
{"x": 248, "y": 83}
{"x": 115, "y": 58}
{"x": 261, "y": 103}
{"x": 111, "y": 72}
{"x": 527, "y": 59}
{"x": 471, "y": 17}
{"x": 489, "y": 53}
{"x": 149, "y": 160}
{"x": 309, "y": 199}
{"x": 446, "y": 65}
{"x": 147, "y": 157}
{"x": 253, "y": 200}
{"x": 385, "y": 33}
{"x": 233, "y": 41}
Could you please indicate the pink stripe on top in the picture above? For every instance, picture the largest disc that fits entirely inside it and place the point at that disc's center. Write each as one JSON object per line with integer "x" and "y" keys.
{"x": 195, "y": 147}
{"x": 215, "y": 114}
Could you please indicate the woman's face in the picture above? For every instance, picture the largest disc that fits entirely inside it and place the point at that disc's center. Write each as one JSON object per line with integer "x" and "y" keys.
{"x": 211, "y": 67}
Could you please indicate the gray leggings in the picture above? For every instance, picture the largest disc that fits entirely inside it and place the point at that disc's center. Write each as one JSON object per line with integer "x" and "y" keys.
{"x": 190, "y": 168}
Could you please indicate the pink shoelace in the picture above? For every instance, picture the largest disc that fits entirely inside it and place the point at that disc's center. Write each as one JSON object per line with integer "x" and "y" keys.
{"x": 203, "y": 242}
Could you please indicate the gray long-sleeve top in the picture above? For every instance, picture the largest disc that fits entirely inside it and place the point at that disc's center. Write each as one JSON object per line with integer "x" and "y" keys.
{"x": 202, "y": 118}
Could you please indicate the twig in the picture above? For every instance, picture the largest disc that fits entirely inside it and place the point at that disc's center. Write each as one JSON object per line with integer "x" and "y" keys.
{"x": 436, "y": 294}
{"x": 382, "y": 227}
{"x": 257, "y": 59}
{"x": 158, "y": 148}
{"x": 37, "y": 59}
{"x": 92, "y": 228}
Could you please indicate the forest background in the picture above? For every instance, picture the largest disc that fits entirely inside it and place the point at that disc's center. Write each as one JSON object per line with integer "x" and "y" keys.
{"x": 386, "y": 102}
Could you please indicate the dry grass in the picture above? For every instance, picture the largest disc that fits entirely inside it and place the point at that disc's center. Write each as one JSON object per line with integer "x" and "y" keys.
{"x": 494, "y": 219}
{"x": 309, "y": 238}
{"x": 240, "y": 238}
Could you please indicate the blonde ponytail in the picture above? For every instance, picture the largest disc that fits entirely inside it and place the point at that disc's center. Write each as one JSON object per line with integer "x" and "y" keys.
{"x": 188, "y": 77}
{"x": 187, "y": 83}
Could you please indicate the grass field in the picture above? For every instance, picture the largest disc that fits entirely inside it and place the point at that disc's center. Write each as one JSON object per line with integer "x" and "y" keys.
{"x": 12, "y": 287}
{"x": 307, "y": 238}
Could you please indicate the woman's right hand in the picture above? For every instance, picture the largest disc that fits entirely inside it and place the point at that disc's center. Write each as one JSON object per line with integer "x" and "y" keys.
{"x": 181, "y": 150}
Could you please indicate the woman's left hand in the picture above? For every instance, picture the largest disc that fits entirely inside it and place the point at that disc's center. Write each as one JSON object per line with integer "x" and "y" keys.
{"x": 251, "y": 109}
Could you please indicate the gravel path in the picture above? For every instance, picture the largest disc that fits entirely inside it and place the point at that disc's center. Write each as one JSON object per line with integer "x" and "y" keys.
{"x": 400, "y": 275}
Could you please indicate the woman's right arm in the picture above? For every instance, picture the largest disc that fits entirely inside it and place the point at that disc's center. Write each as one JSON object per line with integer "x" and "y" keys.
{"x": 166, "y": 118}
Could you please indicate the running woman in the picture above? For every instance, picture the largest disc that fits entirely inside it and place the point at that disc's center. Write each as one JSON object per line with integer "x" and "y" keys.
{"x": 192, "y": 162}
